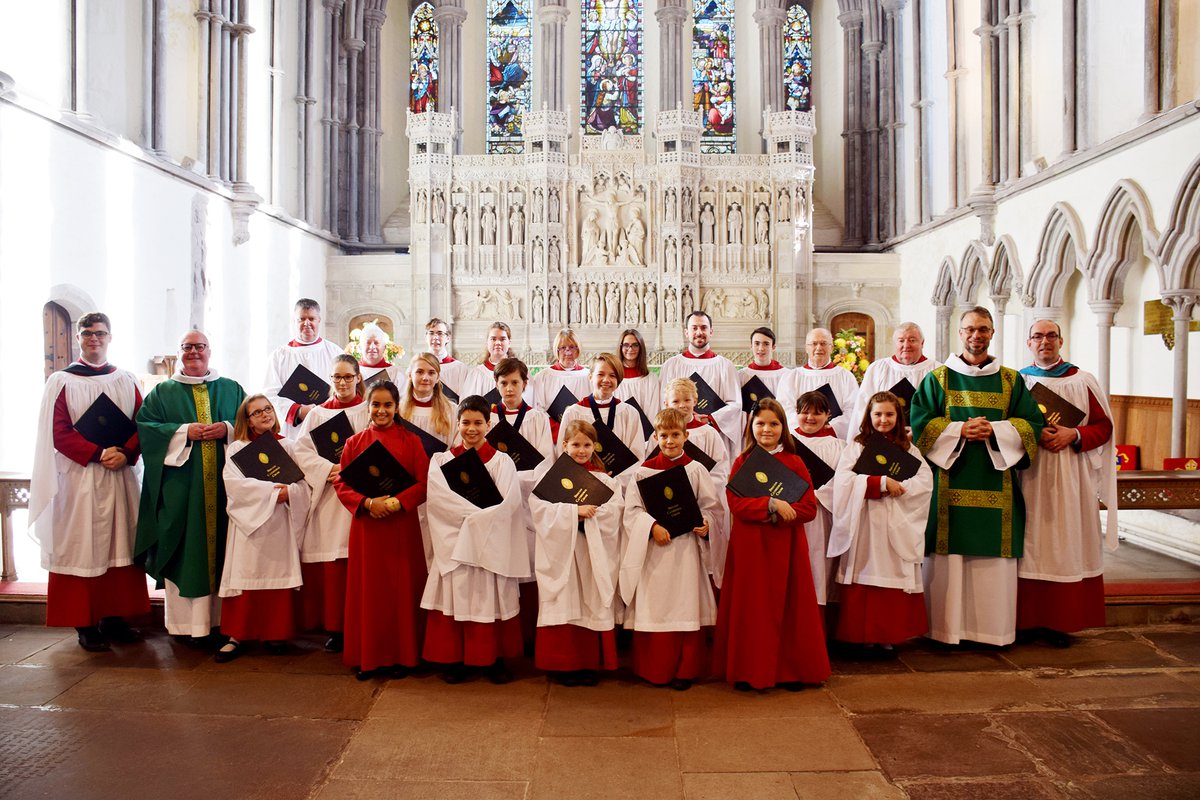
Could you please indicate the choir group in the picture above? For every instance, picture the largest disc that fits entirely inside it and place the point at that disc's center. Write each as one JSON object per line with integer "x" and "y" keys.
{"x": 729, "y": 520}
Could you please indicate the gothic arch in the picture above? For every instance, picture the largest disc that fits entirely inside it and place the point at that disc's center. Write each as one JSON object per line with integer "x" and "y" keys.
{"x": 376, "y": 309}
{"x": 943, "y": 287}
{"x": 74, "y": 301}
{"x": 1110, "y": 259}
{"x": 1179, "y": 252}
{"x": 1062, "y": 239}
{"x": 973, "y": 272}
{"x": 1004, "y": 276}
{"x": 861, "y": 305}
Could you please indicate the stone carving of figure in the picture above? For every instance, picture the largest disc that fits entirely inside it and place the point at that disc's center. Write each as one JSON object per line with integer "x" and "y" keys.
{"x": 555, "y": 306}
{"x": 573, "y": 305}
{"x": 734, "y": 222}
{"x": 708, "y": 222}
{"x": 632, "y": 305}
{"x": 686, "y": 299}
{"x": 487, "y": 222}
{"x": 553, "y": 255}
{"x": 650, "y": 305}
{"x": 507, "y": 306}
{"x": 538, "y": 254}
{"x": 635, "y": 239}
{"x": 669, "y": 305}
{"x": 763, "y": 303}
{"x": 669, "y": 208}
{"x": 687, "y": 204}
{"x": 685, "y": 255}
{"x": 460, "y": 225}
{"x": 552, "y": 206}
{"x": 612, "y": 305}
{"x": 439, "y": 206}
{"x": 536, "y": 211}
{"x": 419, "y": 207}
{"x": 593, "y": 305}
{"x": 784, "y": 207}
{"x": 762, "y": 224}
{"x": 516, "y": 225}
{"x": 672, "y": 254}
{"x": 538, "y": 302}
{"x": 594, "y": 251}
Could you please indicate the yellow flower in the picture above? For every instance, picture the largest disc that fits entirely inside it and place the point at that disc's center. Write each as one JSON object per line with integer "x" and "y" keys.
{"x": 863, "y": 364}
{"x": 839, "y": 343}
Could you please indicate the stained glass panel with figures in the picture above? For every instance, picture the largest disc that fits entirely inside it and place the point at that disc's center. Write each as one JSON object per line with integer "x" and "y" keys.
{"x": 611, "y": 61}
{"x": 797, "y": 60}
{"x": 713, "y": 73}
{"x": 509, "y": 64}
{"x": 423, "y": 60}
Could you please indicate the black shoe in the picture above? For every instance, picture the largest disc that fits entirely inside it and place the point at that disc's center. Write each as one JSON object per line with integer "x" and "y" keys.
{"x": 229, "y": 651}
{"x": 334, "y": 643}
{"x": 454, "y": 674}
{"x": 1058, "y": 639}
{"x": 589, "y": 677}
{"x": 743, "y": 686}
{"x": 792, "y": 686}
{"x": 398, "y": 672}
{"x": 566, "y": 678}
{"x": 498, "y": 673}
{"x": 92, "y": 640}
{"x": 116, "y": 629}
{"x": 276, "y": 648}
{"x": 365, "y": 674}
{"x": 680, "y": 684}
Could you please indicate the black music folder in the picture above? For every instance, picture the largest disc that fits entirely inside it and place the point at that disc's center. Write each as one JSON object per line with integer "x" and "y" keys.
{"x": 904, "y": 390}
{"x": 754, "y": 390}
{"x": 1057, "y": 410}
{"x": 304, "y": 387}
{"x": 820, "y": 472}
{"x": 694, "y": 452}
{"x": 330, "y": 437}
{"x": 105, "y": 425}
{"x": 562, "y": 401}
{"x": 264, "y": 459}
{"x": 569, "y": 482}
{"x": 469, "y": 479}
{"x": 429, "y": 443}
{"x": 668, "y": 497}
{"x": 835, "y": 408}
{"x": 647, "y": 423}
{"x": 449, "y": 393}
{"x": 763, "y": 475}
{"x": 617, "y": 457}
{"x": 507, "y": 439}
{"x": 707, "y": 400}
{"x": 375, "y": 472}
{"x": 882, "y": 456}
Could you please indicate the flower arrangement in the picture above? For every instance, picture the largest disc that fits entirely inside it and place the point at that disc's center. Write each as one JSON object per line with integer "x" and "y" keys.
{"x": 358, "y": 337}
{"x": 850, "y": 351}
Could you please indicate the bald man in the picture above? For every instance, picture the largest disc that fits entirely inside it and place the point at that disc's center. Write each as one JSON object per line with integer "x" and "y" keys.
{"x": 821, "y": 370}
{"x": 907, "y": 362}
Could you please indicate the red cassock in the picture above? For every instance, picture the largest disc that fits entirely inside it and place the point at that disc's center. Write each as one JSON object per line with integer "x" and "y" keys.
{"x": 769, "y": 627}
{"x": 386, "y": 571}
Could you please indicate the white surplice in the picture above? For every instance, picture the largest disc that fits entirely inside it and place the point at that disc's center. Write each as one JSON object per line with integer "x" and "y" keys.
{"x": 317, "y": 357}
{"x": 828, "y": 449}
{"x": 881, "y": 376}
{"x": 327, "y": 534}
{"x": 808, "y": 379}
{"x": 719, "y": 373}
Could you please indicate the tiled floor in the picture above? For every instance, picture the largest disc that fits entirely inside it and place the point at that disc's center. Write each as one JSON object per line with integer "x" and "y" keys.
{"x": 1114, "y": 716}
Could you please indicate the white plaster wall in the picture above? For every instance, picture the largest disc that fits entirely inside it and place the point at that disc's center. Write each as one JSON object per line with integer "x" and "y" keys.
{"x": 181, "y": 126}
{"x": 116, "y": 231}
{"x": 35, "y": 48}
{"x": 1046, "y": 93}
{"x": 828, "y": 87}
{"x": 1187, "y": 60}
{"x": 1114, "y": 82}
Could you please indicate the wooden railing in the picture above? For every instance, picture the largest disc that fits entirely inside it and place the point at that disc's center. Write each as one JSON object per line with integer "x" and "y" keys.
{"x": 1158, "y": 490}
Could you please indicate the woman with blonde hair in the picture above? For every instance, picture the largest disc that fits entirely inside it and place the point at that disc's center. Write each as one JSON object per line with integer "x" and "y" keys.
{"x": 423, "y": 403}
{"x": 565, "y": 372}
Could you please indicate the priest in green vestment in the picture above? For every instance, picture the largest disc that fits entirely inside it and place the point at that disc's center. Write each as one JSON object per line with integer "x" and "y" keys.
{"x": 184, "y": 425}
{"x": 976, "y": 423}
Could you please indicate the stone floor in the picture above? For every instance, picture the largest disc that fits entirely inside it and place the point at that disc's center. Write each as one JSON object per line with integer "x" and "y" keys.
{"x": 1115, "y": 716}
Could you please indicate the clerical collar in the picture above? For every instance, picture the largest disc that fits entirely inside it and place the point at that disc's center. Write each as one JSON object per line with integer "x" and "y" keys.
{"x": 918, "y": 361}
{"x": 709, "y": 353}
{"x": 830, "y": 365}
{"x": 773, "y": 365}
{"x": 297, "y": 343}
{"x": 179, "y": 377}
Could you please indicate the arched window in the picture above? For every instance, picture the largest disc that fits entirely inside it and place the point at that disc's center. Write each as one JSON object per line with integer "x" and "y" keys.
{"x": 713, "y": 73}
{"x": 423, "y": 61}
{"x": 510, "y": 58}
{"x": 611, "y": 58}
{"x": 797, "y": 59}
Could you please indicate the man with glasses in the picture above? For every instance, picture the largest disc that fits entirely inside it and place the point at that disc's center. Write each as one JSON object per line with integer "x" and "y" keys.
{"x": 821, "y": 373}
{"x": 1060, "y": 582}
{"x": 83, "y": 496}
{"x": 184, "y": 426}
{"x": 307, "y": 349}
{"x": 976, "y": 424}
{"x": 454, "y": 372}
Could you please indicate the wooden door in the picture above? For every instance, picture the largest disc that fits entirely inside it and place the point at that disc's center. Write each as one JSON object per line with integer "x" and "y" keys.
{"x": 58, "y": 338}
{"x": 860, "y": 323}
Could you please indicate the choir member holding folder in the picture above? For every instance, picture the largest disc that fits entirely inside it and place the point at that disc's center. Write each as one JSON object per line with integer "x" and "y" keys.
{"x": 769, "y": 629}
{"x": 881, "y": 504}
{"x": 479, "y": 554}
{"x": 670, "y": 512}
{"x": 639, "y": 386}
{"x": 424, "y": 409}
{"x": 618, "y": 428}
{"x": 326, "y": 544}
{"x": 267, "y": 501}
{"x": 563, "y": 383}
{"x": 819, "y": 448}
{"x": 294, "y": 393}
{"x": 576, "y": 510}
{"x": 382, "y": 482}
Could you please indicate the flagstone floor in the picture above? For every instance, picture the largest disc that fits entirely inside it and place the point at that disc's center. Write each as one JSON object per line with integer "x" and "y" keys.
{"x": 1117, "y": 715}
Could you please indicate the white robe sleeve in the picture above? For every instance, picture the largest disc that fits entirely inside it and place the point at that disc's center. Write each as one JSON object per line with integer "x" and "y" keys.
{"x": 948, "y": 446}
{"x": 1009, "y": 449}
{"x": 249, "y": 502}
{"x": 636, "y": 525}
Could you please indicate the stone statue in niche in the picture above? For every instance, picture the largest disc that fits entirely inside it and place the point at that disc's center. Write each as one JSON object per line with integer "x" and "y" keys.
{"x": 460, "y": 224}
{"x": 783, "y": 208}
{"x": 539, "y": 254}
{"x": 516, "y": 225}
{"x": 573, "y": 305}
{"x": 708, "y": 222}
{"x": 439, "y": 206}
{"x": 595, "y": 247}
{"x": 650, "y": 305}
{"x": 762, "y": 224}
{"x": 612, "y": 305}
{"x": 487, "y": 222}
{"x": 687, "y": 204}
{"x": 420, "y": 206}
{"x": 538, "y": 302}
{"x": 555, "y": 306}
{"x": 685, "y": 256}
{"x": 593, "y": 305}
{"x": 802, "y": 202}
{"x": 686, "y": 299}
{"x": 734, "y": 224}
{"x": 635, "y": 239}
{"x": 552, "y": 206}
{"x": 536, "y": 211}
{"x": 623, "y": 182}
{"x": 669, "y": 302}
{"x": 632, "y": 305}
{"x": 599, "y": 183}
{"x": 669, "y": 206}
{"x": 671, "y": 251}
{"x": 554, "y": 255}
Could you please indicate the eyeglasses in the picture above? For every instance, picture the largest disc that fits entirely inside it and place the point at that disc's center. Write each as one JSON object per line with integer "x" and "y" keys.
{"x": 630, "y": 346}
{"x": 93, "y": 334}
{"x": 437, "y": 334}
{"x": 342, "y": 378}
{"x": 1049, "y": 337}
{"x": 189, "y": 347}
{"x": 568, "y": 348}
{"x": 262, "y": 412}
{"x": 973, "y": 331}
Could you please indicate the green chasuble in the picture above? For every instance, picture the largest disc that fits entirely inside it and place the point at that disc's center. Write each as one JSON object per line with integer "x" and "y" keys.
{"x": 976, "y": 509}
{"x": 181, "y": 519}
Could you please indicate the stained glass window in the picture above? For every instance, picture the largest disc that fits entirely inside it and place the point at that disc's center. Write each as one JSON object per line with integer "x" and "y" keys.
{"x": 797, "y": 60}
{"x": 510, "y": 59}
{"x": 611, "y": 59}
{"x": 423, "y": 72}
{"x": 713, "y": 74}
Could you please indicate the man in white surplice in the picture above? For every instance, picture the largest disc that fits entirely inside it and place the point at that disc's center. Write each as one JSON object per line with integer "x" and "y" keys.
{"x": 309, "y": 349}
{"x": 907, "y": 362}
{"x": 819, "y": 370}
{"x": 717, "y": 371}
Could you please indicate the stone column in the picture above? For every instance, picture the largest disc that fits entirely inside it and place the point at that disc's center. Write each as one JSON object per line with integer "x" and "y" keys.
{"x": 1106, "y": 312}
{"x": 852, "y": 131}
{"x": 305, "y": 101}
{"x": 1068, "y": 76}
{"x": 1167, "y": 47}
{"x": 988, "y": 97}
{"x": 943, "y": 336}
{"x": 238, "y": 33}
{"x": 329, "y": 115}
{"x": 1181, "y": 303}
{"x": 920, "y": 121}
{"x": 892, "y": 163}
{"x": 673, "y": 65}
{"x": 369, "y": 173}
{"x": 1024, "y": 46}
{"x": 1151, "y": 89}
{"x": 449, "y": 16}
{"x": 871, "y": 162}
{"x": 953, "y": 73}
{"x": 1013, "y": 118}
{"x": 1000, "y": 31}
{"x": 999, "y": 301}
{"x": 551, "y": 16}
{"x": 770, "y": 18}
{"x": 203, "y": 17}
{"x": 354, "y": 48}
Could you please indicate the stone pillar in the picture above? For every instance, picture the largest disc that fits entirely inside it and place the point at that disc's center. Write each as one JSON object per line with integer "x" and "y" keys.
{"x": 953, "y": 74}
{"x": 943, "y": 336}
{"x": 1167, "y": 47}
{"x": 1181, "y": 303}
{"x": 892, "y": 164}
{"x": 354, "y": 48}
{"x": 1024, "y": 46}
{"x": 369, "y": 173}
{"x": 1010, "y": 39}
{"x": 305, "y": 101}
{"x": 1068, "y": 76}
{"x": 449, "y": 16}
{"x": 871, "y": 162}
{"x": 551, "y": 15}
{"x": 673, "y": 65}
{"x": 770, "y": 18}
{"x": 852, "y": 131}
{"x": 988, "y": 97}
{"x": 1106, "y": 312}
{"x": 999, "y": 301}
{"x": 1151, "y": 89}
{"x": 203, "y": 17}
{"x": 238, "y": 33}
{"x": 920, "y": 119}
{"x": 329, "y": 116}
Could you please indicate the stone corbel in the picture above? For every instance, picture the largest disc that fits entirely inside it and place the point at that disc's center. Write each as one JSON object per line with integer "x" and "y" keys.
{"x": 983, "y": 205}
{"x": 244, "y": 202}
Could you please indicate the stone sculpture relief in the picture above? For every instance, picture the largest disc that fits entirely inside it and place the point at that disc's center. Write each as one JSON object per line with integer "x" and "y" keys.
{"x": 538, "y": 302}
{"x": 737, "y": 303}
{"x": 685, "y": 256}
{"x": 734, "y": 224}
{"x": 420, "y": 206}
{"x": 487, "y": 223}
{"x": 573, "y": 305}
{"x": 593, "y": 305}
{"x": 762, "y": 224}
{"x": 460, "y": 225}
{"x": 669, "y": 302}
{"x": 687, "y": 204}
{"x": 554, "y": 255}
{"x": 516, "y": 225}
{"x": 555, "y": 306}
{"x": 685, "y": 300}
{"x": 650, "y": 305}
{"x": 669, "y": 206}
{"x": 708, "y": 222}
{"x": 783, "y": 208}
{"x": 612, "y": 305}
{"x": 536, "y": 211}
{"x": 439, "y": 206}
{"x": 632, "y": 305}
{"x": 552, "y": 206}
{"x": 489, "y": 304}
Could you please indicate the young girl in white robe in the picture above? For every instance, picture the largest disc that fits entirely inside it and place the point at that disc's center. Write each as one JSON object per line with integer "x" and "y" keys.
{"x": 602, "y": 407}
{"x": 879, "y": 532}
{"x": 664, "y": 582}
{"x": 479, "y": 556}
{"x": 815, "y": 433}
{"x": 262, "y": 549}
{"x": 576, "y": 559}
